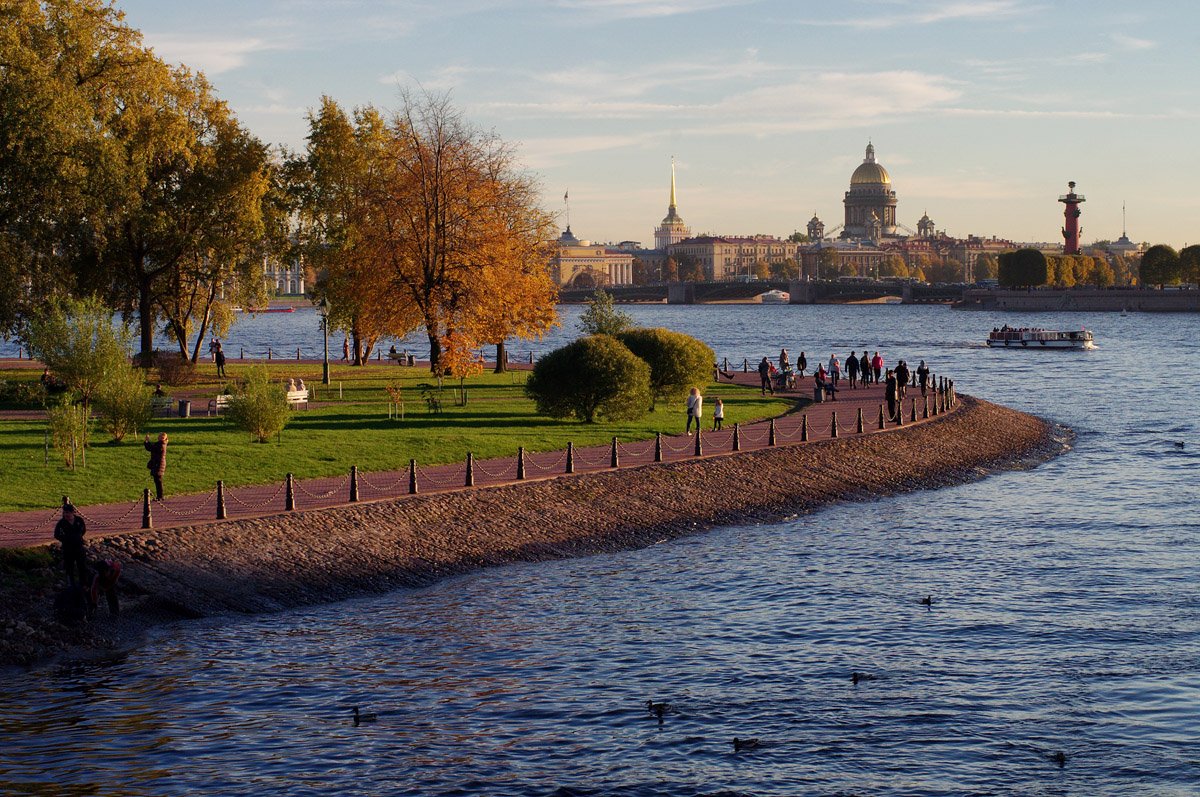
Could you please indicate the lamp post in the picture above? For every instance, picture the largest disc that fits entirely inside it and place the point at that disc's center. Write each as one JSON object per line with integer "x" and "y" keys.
{"x": 325, "y": 334}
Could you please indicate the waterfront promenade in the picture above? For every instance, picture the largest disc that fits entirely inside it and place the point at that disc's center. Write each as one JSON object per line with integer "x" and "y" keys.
{"x": 807, "y": 422}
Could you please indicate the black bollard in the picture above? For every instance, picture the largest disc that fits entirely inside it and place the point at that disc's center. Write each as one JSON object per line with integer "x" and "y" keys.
{"x": 268, "y": 352}
{"x": 297, "y": 354}
{"x": 737, "y": 437}
{"x": 771, "y": 433}
{"x": 570, "y": 457}
{"x": 833, "y": 430}
{"x": 859, "y": 426}
{"x": 881, "y": 416}
{"x": 469, "y": 480}
{"x": 520, "y": 462}
{"x": 913, "y": 415}
{"x": 925, "y": 412}
{"x": 726, "y": 368}
{"x": 804, "y": 428}
{"x": 615, "y": 460}
{"x": 289, "y": 499}
{"x": 900, "y": 412}
{"x": 353, "y": 484}
{"x": 221, "y": 513}
{"x": 699, "y": 445}
{"x": 147, "y": 521}
{"x": 242, "y": 354}
{"x": 658, "y": 447}
{"x": 412, "y": 477}
{"x": 745, "y": 366}
{"x": 531, "y": 358}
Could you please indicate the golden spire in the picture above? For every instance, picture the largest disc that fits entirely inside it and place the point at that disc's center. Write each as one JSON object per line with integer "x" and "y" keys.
{"x": 672, "y": 182}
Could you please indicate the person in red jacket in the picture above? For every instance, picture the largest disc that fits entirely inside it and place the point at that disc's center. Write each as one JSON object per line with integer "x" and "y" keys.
{"x": 877, "y": 367}
{"x": 108, "y": 573}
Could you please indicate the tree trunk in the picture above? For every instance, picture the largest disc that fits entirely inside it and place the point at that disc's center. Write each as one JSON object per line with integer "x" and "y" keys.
{"x": 435, "y": 348}
{"x": 145, "y": 322}
{"x": 358, "y": 355}
{"x": 501, "y": 358}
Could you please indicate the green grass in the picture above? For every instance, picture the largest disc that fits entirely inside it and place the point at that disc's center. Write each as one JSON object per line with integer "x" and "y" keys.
{"x": 326, "y": 441}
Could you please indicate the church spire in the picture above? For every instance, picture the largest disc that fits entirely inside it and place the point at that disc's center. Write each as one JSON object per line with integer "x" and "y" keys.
{"x": 672, "y": 182}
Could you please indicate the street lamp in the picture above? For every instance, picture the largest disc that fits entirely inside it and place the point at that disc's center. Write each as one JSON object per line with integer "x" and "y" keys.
{"x": 325, "y": 333}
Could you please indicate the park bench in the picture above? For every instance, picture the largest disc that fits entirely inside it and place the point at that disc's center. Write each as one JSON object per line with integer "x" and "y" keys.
{"x": 297, "y": 397}
{"x": 402, "y": 358}
{"x": 161, "y": 405}
{"x": 215, "y": 405}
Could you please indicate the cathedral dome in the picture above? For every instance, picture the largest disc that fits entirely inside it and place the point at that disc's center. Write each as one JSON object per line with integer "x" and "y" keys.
{"x": 869, "y": 172}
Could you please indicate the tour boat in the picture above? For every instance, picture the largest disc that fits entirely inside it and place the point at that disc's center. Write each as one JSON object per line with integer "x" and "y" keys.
{"x": 270, "y": 310}
{"x": 775, "y": 297}
{"x": 1029, "y": 338}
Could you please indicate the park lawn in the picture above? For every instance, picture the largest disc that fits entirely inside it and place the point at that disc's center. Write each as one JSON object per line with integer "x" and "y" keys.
{"x": 330, "y": 437}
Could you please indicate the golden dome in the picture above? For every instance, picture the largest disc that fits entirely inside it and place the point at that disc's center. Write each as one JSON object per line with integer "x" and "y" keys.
{"x": 869, "y": 172}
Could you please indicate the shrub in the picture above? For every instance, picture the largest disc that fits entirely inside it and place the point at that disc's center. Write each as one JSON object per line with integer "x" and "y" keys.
{"x": 602, "y": 318}
{"x": 1160, "y": 266}
{"x": 1022, "y": 268}
{"x": 260, "y": 406}
{"x": 174, "y": 369}
{"x": 80, "y": 343}
{"x": 69, "y": 425}
{"x": 677, "y": 361}
{"x": 124, "y": 402}
{"x": 596, "y": 375}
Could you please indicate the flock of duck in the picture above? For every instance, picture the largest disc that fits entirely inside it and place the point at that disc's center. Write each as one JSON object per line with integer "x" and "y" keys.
{"x": 660, "y": 710}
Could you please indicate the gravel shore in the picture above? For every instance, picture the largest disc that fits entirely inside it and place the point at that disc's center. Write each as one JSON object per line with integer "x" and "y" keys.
{"x": 308, "y": 557}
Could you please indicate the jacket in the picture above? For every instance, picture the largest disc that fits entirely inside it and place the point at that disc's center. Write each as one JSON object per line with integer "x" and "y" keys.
{"x": 70, "y": 534}
{"x": 158, "y": 457}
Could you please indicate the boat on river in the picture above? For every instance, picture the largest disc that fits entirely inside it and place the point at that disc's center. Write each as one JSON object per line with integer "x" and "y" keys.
{"x": 775, "y": 297}
{"x": 269, "y": 310}
{"x": 1007, "y": 337}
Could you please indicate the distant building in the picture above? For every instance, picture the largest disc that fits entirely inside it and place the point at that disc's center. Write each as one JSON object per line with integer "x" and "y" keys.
{"x": 727, "y": 257}
{"x": 859, "y": 258}
{"x": 672, "y": 230}
{"x": 284, "y": 278}
{"x": 582, "y": 264}
{"x": 870, "y": 203}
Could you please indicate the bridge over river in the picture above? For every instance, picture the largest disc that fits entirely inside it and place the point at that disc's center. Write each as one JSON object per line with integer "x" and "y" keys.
{"x": 802, "y": 292}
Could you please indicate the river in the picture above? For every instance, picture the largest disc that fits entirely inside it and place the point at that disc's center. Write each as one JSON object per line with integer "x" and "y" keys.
{"x": 1065, "y": 618}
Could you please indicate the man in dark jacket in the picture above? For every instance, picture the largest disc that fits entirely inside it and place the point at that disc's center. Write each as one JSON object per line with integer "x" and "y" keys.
{"x": 891, "y": 393}
{"x": 864, "y": 367}
{"x": 923, "y": 377}
{"x": 764, "y": 374}
{"x": 158, "y": 461}
{"x": 852, "y": 369}
{"x": 69, "y": 531}
{"x": 902, "y": 375}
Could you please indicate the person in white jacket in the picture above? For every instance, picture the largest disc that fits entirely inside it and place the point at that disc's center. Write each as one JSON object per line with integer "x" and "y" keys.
{"x": 695, "y": 408}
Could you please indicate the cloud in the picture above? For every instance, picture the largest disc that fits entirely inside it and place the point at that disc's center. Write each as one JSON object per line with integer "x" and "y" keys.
{"x": 209, "y": 55}
{"x": 541, "y": 153}
{"x": 931, "y": 14}
{"x": 1132, "y": 43}
{"x": 641, "y": 9}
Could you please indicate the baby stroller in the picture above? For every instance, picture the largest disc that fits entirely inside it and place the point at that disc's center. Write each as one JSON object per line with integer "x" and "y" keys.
{"x": 785, "y": 379}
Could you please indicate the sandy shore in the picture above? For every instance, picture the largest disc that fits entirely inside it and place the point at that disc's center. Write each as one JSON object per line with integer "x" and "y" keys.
{"x": 304, "y": 558}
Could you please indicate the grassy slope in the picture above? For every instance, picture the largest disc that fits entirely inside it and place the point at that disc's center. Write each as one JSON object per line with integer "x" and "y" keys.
{"x": 327, "y": 440}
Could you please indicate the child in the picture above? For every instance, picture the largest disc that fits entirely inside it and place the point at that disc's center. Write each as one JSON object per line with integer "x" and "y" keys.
{"x": 718, "y": 414}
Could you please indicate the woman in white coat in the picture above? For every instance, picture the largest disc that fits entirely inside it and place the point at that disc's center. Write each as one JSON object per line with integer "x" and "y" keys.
{"x": 695, "y": 408}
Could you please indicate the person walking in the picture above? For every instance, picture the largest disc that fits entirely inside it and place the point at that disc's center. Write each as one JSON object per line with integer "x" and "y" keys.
{"x": 923, "y": 377}
{"x": 893, "y": 399}
{"x": 158, "y": 462}
{"x": 695, "y": 408}
{"x": 346, "y": 348}
{"x": 877, "y": 367}
{"x": 220, "y": 358}
{"x": 902, "y": 375}
{"x": 764, "y": 376}
{"x": 801, "y": 364}
{"x": 718, "y": 415}
{"x": 835, "y": 370}
{"x": 864, "y": 367}
{"x": 852, "y": 369}
{"x": 785, "y": 360}
{"x": 69, "y": 531}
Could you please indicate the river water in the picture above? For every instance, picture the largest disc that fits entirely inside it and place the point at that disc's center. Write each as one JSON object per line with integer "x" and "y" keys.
{"x": 1065, "y": 617}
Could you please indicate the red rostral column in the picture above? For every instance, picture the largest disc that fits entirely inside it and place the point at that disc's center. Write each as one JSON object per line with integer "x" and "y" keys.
{"x": 1072, "y": 230}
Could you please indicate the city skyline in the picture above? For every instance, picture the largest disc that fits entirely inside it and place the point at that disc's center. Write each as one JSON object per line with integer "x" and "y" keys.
{"x": 981, "y": 111}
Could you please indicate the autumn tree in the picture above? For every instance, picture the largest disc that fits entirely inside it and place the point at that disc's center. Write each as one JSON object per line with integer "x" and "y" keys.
{"x": 341, "y": 185}
{"x": 455, "y": 209}
{"x": 787, "y": 269}
{"x": 893, "y": 266}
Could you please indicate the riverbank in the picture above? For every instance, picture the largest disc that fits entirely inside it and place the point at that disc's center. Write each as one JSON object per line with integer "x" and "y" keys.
{"x": 309, "y": 557}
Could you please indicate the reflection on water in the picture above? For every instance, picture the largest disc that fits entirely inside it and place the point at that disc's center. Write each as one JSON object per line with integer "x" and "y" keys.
{"x": 1065, "y": 617}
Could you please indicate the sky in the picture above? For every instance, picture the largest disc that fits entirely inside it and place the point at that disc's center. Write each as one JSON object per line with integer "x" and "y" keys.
{"x": 981, "y": 110}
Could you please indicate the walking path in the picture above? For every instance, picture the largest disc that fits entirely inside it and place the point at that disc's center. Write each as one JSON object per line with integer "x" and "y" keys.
{"x": 811, "y": 422}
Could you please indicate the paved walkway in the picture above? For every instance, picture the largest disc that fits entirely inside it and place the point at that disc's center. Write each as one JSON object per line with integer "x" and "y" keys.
{"x": 36, "y": 527}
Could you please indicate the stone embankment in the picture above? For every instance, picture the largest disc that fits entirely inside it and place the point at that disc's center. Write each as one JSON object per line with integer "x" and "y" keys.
{"x": 273, "y": 563}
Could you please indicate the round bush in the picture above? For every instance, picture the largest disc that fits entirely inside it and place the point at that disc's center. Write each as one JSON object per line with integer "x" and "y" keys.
{"x": 261, "y": 406}
{"x": 678, "y": 362}
{"x": 596, "y": 375}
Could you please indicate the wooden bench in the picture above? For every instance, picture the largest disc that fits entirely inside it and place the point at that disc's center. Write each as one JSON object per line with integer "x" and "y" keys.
{"x": 161, "y": 405}
{"x": 402, "y": 358}
{"x": 219, "y": 403}
{"x": 296, "y": 397}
